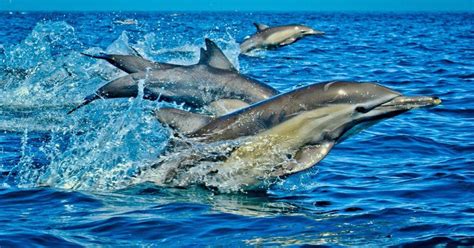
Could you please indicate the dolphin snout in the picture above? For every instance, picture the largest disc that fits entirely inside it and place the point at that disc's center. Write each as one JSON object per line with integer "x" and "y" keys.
{"x": 411, "y": 102}
{"x": 313, "y": 32}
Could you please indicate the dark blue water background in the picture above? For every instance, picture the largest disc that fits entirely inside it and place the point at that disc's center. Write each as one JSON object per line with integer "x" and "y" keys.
{"x": 407, "y": 180}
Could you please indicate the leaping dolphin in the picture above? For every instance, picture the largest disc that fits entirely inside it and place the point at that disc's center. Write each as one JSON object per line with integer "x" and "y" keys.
{"x": 280, "y": 136}
{"x": 212, "y": 79}
{"x": 274, "y": 37}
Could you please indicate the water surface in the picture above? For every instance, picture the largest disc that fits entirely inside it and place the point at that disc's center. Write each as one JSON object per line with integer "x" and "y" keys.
{"x": 407, "y": 180}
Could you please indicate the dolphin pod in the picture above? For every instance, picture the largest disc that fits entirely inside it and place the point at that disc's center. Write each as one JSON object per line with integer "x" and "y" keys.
{"x": 274, "y": 37}
{"x": 212, "y": 79}
{"x": 290, "y": 132}
{"x": 255, "y": 134}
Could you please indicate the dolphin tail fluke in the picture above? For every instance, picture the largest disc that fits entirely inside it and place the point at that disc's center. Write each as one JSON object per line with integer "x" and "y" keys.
{"x": 86, "y": 101}
{"x": 107, "y": 56}
{"x": 98, "y": 56}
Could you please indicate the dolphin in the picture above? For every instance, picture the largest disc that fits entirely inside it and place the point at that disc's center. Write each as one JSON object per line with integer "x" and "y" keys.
{"x": 131, "y": 63}
{"x": 212, "y": 79}
{"x": 280, "y": 136}
{"x": 275, "y": 37}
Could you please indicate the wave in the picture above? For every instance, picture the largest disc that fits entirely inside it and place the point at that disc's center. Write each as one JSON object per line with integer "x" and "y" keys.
{"x": 98, "y": 148}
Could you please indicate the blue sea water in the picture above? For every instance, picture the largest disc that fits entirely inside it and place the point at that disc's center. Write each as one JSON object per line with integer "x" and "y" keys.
{"x": 407, "y": 181}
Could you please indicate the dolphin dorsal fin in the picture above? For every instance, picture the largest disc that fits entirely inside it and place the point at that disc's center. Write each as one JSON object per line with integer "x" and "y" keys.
{"x": 183, "y": 121}
{"x": 260, "y": 27}
{"x": 214, "y": 57}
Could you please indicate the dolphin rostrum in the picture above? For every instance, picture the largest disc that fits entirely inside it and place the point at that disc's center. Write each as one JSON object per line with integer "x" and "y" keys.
{"x": 212, "y": 79}
{"x": 274, "y": 37}
{"x": 280, "y": 136}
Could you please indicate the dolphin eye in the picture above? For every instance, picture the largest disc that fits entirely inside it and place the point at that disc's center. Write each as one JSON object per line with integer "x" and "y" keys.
{"x": 362, "y": 109}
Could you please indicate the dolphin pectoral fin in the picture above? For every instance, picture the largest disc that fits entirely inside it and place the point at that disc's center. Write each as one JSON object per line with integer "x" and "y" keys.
{"x": 86, "y": 101}
{"x": 225, "y": 106}
{"x": 287, "y": 41}
{"x": 182, "y": 121}
{"x": 309, "y": 155}
{"x": 214, "y": 57}
{"x": 305, "y": 158}
{"x": 260, "y": 27}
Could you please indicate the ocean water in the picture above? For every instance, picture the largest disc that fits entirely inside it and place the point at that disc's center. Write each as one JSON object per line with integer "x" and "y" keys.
{"x": 407, "y": 181}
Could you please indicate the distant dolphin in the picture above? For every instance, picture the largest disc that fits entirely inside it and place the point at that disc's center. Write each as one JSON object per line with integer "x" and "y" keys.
{"x": 274, "y": 37}
{"x": 213, "y": 78}
{"x": 126, "y": 22}
{"x": 283, "y": 135}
